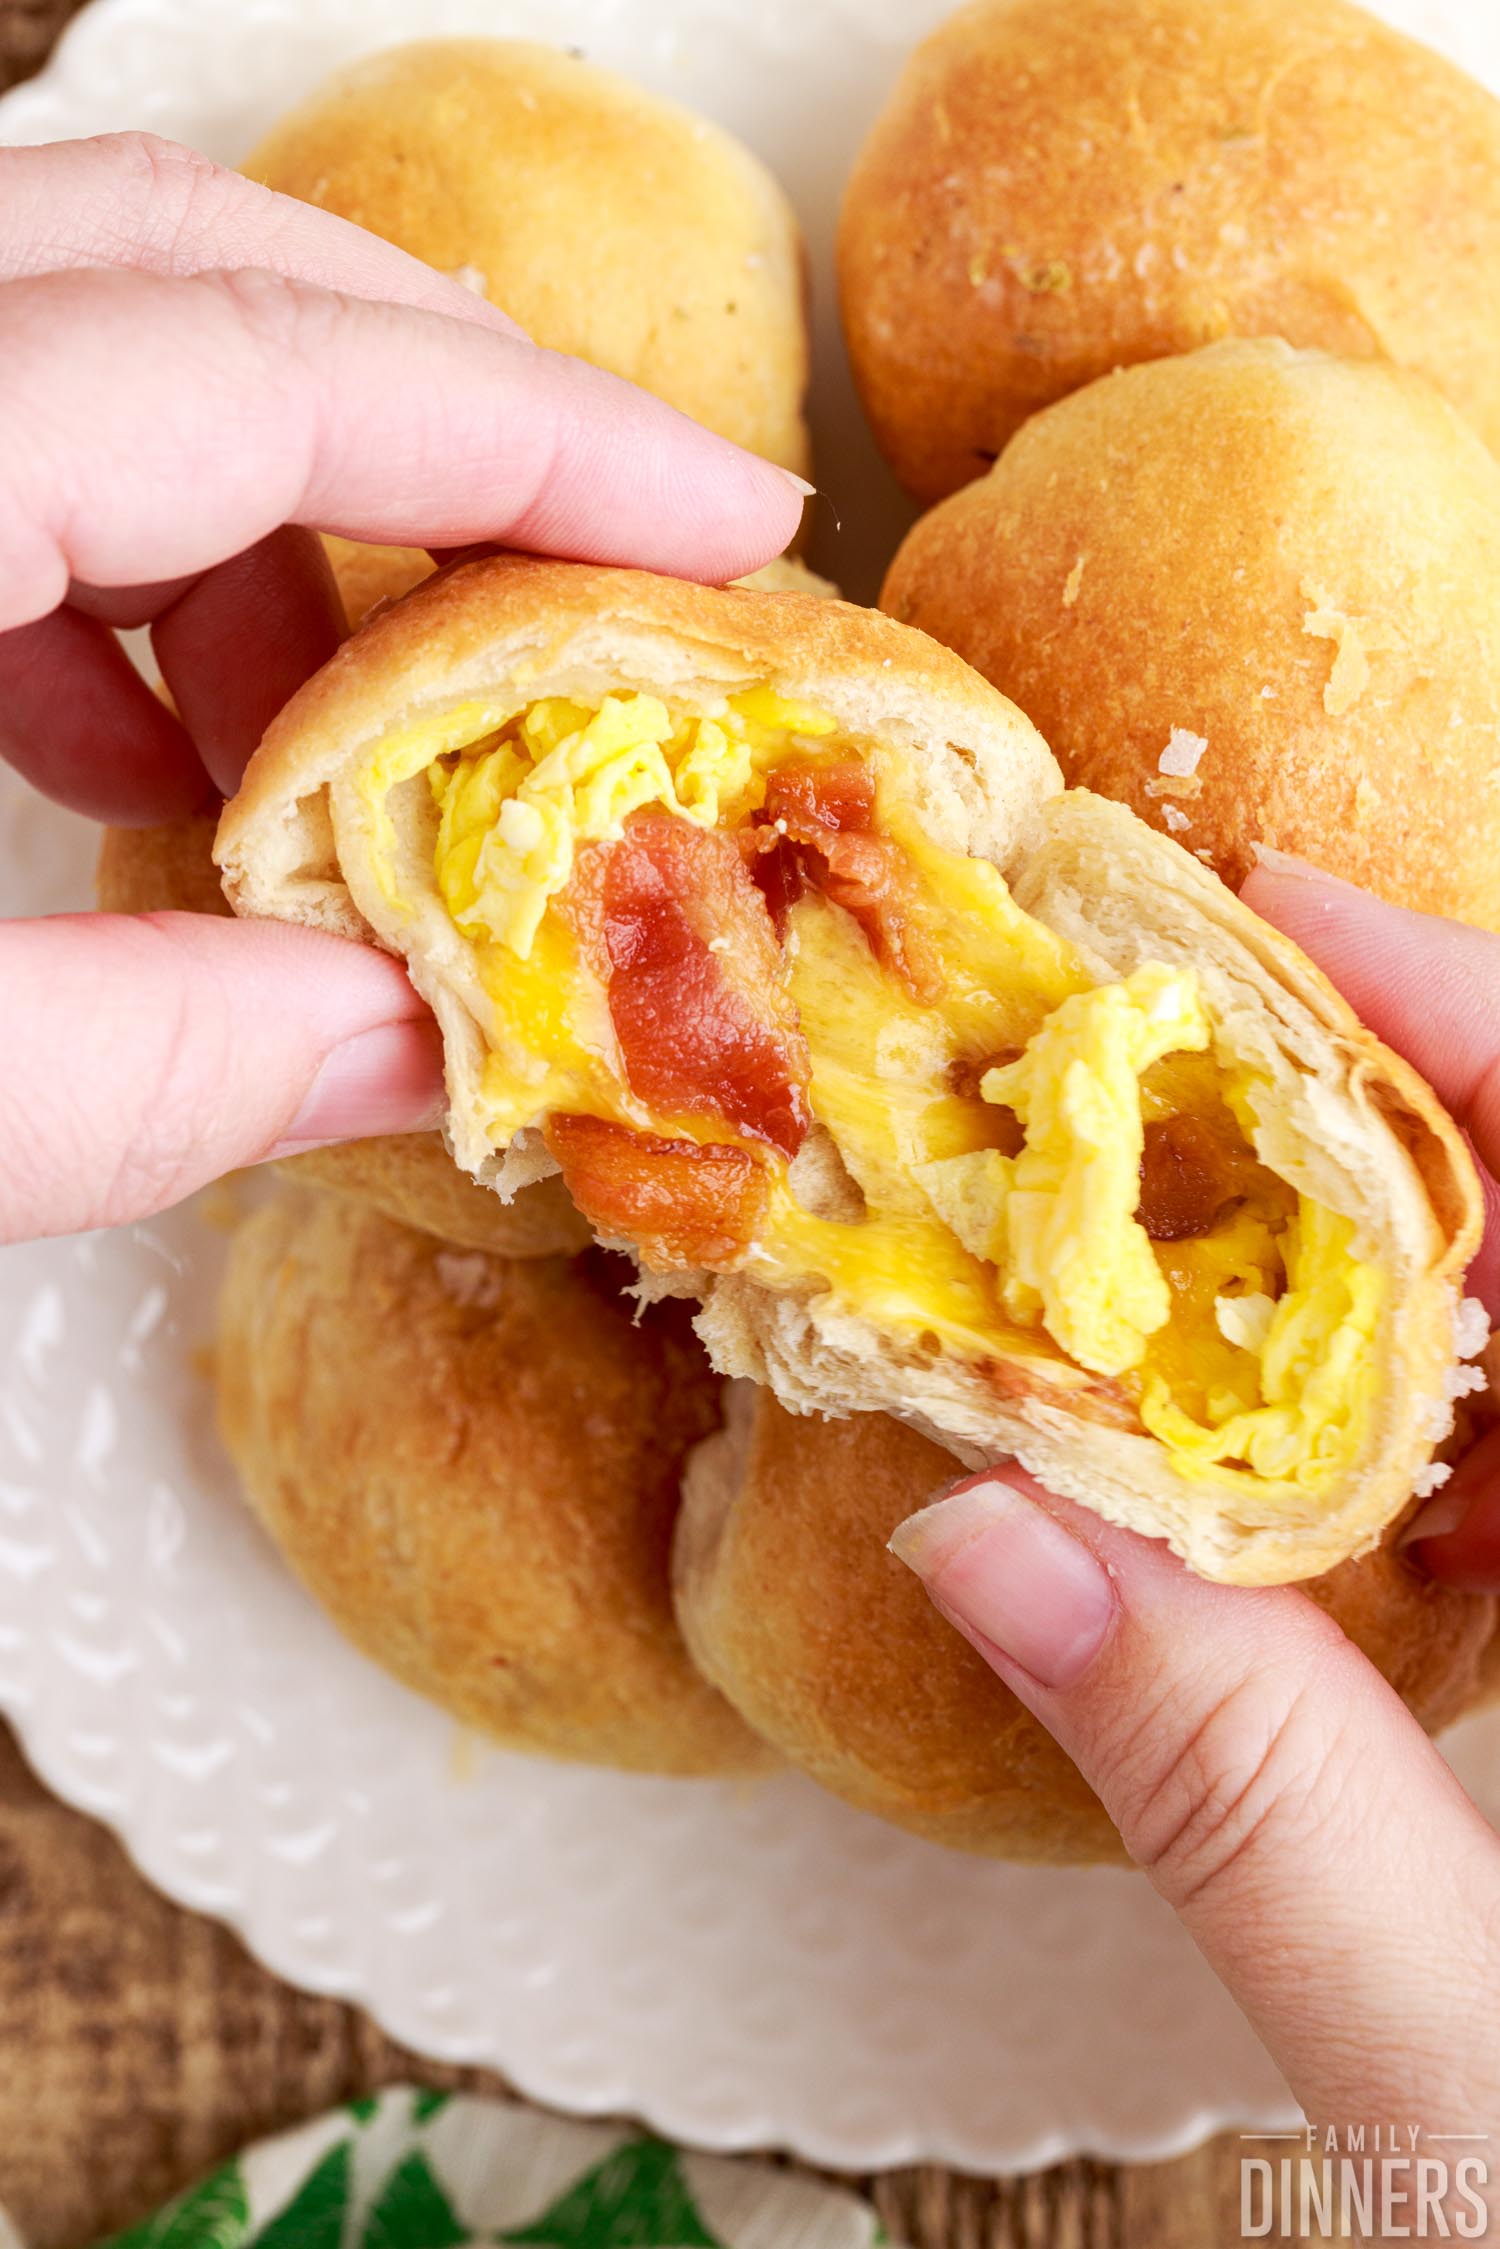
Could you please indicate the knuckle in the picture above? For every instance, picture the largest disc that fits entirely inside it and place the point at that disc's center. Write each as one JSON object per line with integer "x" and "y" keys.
{"x": 285, "y": 319}
{"x": 172, "y": 190}
{"x": 1220, "y": 1801}
{"x": 167, "y": 201}
{"x": 152, "y": 159}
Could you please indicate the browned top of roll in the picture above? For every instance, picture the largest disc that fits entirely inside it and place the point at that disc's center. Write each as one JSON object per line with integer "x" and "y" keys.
{"x": 1058, "y": 187}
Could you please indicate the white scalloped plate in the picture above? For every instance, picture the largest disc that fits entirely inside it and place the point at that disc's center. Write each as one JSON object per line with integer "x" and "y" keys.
{"x": 739, "y": 1965}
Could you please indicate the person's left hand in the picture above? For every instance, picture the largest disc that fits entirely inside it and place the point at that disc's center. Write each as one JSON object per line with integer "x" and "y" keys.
{"x": 196, "y": 376}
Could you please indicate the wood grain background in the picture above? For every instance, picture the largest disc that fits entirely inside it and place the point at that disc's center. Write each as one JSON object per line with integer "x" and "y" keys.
{"x": 139, "y": 2044}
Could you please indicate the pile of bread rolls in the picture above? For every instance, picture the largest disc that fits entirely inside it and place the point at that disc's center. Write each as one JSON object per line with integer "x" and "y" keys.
{"x": 1175, "y": 310}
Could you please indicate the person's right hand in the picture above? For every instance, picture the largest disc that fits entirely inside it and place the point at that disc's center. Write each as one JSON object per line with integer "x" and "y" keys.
{"x": 1271, "y": 1784}
{"x": 195, "y": 377}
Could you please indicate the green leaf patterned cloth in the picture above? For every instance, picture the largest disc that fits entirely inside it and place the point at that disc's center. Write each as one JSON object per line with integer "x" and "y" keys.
{"x": 408, "y": 2169}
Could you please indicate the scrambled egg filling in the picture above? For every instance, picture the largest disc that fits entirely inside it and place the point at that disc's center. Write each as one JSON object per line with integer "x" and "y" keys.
{"x": 994, "y": 1135}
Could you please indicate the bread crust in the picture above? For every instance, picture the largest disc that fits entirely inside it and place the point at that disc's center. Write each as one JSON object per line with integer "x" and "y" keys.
{"x": 473, "y": 1464}
{"x": 829, "y": 1646}
{"x": 368, "y": 574}
{"x": 1341, "y": 1118}
{"x": 1318, "y": 613}
{"x": 1052, "y": 191}
{"x": 609, "y": 223}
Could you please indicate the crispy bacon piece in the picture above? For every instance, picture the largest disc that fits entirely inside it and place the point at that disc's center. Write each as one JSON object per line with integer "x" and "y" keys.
{"x": 776, "y": 870}
{"x": 1187, "y": 1176}
{"x": 819, "y": 798}
{"x": 685, "y": 946}
{"x": 966, "y": 1073}
{"x": 820, "y": 816}
{"x": 679, "y": 1203}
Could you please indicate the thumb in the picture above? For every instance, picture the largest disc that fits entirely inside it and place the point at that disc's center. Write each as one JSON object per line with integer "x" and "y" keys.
{"x": 1274, "y": 1788}
{"x": 147, "y": 1054}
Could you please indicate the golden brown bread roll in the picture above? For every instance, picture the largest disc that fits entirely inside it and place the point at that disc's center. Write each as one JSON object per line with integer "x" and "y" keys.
{"x": 1274, "y": 568}
{"x": 166, "y": 869}
{"x": 610, "y": 223}
{"x": 473, "y": 1463}
{"x": 410, "y": 1176}
{"x": 367, "y": 575}
{"x": 1054, "y": 190}
{"x": 831, "y": 1649}
{"x": 953, "y": 1094}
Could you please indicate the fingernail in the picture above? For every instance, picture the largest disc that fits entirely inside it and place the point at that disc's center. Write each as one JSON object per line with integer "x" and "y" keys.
{"x": 1441, "y": 1514}
{"x": 799, "y": 483}
{"x": 1008, "y": 1570}
{"x": 388, "y": 1079}
{"x": 1287, "y": 867}
{"x": 1451, "y": 1502}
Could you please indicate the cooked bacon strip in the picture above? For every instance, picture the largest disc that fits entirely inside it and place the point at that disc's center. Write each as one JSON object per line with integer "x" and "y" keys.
{"x": 776, "y": 870}
{"x": 685, "y": 945}
{"x": 818, "y": 798}
{"x": 827, "y": 810}
{"x": 1187, "y": 1176}
{"x": 679, "y": 1204}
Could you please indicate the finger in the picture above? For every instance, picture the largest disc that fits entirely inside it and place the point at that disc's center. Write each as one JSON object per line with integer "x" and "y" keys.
{"x": 1273, "y": 1787}
{"x": 1429, "y": 988}
{"x": 80, "y": 723}
{"x": 145, "y": 1056}
{"x": 241, "y": 640}
{"x": 271, "y": 402}
{"x": 1456, "y": 1537}
{"x": 132, "y": 199}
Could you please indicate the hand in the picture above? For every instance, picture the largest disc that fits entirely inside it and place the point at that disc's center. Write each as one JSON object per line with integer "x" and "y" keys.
{"x": 1271, "y": 1784}
{"x": 195, "y": 376}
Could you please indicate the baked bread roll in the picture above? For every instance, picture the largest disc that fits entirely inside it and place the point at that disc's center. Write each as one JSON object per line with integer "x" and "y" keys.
{"x": 850, "y": 1672}
{"x": 473, "y": 1464}
{"x": 166, "y": 869}
{"x": 610, "y": 223}
{"x": 1056, "y": 190}
{"x": 1253, "y": 593}
{"x": 769, "y": 924}
{"x": 409, "y": 1176}
{"x": 368, "y": 575}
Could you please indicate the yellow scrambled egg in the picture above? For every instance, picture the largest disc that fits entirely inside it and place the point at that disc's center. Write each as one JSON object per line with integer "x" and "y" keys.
{"x": 997, "y": 1218}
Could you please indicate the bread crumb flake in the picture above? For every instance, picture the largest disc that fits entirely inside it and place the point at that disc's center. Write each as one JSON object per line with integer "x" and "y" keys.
{"x": 1354, "y": 640}
{"x": 1182, "y": 753}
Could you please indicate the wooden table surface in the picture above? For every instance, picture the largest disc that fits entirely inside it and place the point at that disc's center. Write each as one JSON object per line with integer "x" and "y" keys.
{"x": 139, "y": 2044}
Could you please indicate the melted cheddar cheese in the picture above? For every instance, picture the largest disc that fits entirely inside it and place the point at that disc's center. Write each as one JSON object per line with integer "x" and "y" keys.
{"x": 989, "y": 1134}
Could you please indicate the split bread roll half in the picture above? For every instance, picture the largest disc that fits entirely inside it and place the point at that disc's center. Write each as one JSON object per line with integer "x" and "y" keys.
{"x": 410, "y": 1176}
{"x": 473, "y": 1464}
{"x": 951, "y": 1094}
{"x": 609, "y": 223}
{"x": 831, "y": 1649}
{"x": 1053, "y": 190}
{"x": 1255, "y": 594}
